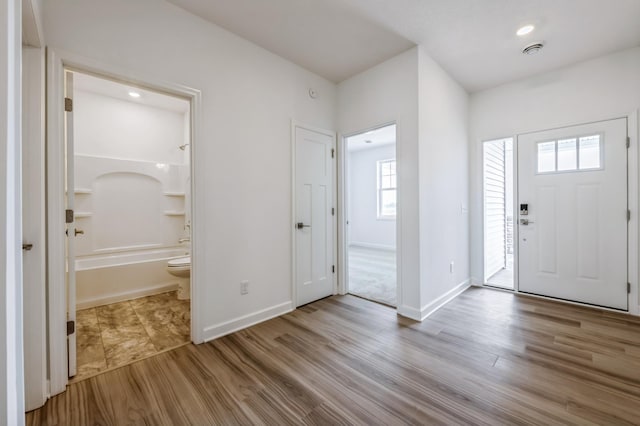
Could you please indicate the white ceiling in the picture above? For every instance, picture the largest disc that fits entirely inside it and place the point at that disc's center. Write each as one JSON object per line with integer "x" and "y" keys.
{"x": 474, "y": 40}
{"x": 327, "y": 37}
{"x": 113, "y": 89}
{"x": 372, "y": 139}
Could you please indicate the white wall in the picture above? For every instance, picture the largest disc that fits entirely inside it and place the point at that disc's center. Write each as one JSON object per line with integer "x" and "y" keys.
{"x": 444, "y": 191}
{"x": 365, "y": 228}
{"x": 109, "y": 127}
{"x": 32, "y": 26}
{"x": 243, "y": 162}
{"x": 11, "y": 353}
{"x": 602, "y": 88}
{"x": 384, "y": 94}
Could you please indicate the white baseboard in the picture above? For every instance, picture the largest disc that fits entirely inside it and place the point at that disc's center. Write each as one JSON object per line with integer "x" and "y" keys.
{"x": 214, "y": 331}
{"x": 373, "y": 246}
{"x": 127, "y": 295}
{"x": 444, "y": 299}
{"x": 420, "y": 315}
{"x": 477, "y": 282}
{"x": 409, "y": 312}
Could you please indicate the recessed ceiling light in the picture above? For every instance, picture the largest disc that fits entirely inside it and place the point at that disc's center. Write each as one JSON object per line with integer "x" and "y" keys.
{"x": 525, "y": 30}
{"x": 134, "y": 94}
{"x": 533, "y": 48}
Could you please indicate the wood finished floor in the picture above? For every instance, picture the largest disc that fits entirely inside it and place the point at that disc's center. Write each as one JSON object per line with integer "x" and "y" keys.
{"x": 488, "y": 357}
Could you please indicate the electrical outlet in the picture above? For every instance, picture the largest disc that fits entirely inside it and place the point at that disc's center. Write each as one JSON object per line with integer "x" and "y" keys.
{"x": 451, "y": 268}
{"x": 244, "y": 287}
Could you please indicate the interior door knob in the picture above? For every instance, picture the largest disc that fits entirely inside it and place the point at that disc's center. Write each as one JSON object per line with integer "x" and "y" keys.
{"x": 301, "y": 225}
{"x": 77, "y": 231}
{"x": 27, "y": 246}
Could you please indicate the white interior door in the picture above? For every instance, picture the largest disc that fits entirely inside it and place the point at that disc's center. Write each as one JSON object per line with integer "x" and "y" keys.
{"x": 71, "y": 229}
{"x": 573, "y": 238}
{"x": 313, "y": 227}
{"x": 33, "y": 228}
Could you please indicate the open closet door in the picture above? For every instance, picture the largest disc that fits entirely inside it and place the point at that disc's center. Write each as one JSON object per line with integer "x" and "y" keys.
{"x": 71, "y": 229}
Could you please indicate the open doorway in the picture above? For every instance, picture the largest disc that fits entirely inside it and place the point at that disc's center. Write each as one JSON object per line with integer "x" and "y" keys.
{"x": 498, "y": 193}
{"x": 370, "y": 198}
{"x": 128, "y": 195}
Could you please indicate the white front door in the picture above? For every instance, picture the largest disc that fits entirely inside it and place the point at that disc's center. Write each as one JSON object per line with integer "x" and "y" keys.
{"x": 573, "y": 236}
{"x": 313, "y": 227}
{"x": 71, "y": 229}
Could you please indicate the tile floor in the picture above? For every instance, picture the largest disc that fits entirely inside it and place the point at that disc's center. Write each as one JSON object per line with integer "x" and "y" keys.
{"x": 115, "y": 335}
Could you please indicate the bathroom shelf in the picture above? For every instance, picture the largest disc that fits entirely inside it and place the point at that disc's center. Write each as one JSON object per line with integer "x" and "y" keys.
{"x": 83, "y": 191}
{"x": 79, "y": 215}
{"x": 175, "y": 194}
{"x": 172, "y": 213}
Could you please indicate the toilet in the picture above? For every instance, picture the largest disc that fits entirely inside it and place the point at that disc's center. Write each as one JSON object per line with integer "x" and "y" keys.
{"x": 181, "y": 268}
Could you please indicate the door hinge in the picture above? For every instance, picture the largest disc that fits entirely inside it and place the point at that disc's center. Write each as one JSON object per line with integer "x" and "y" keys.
{"x": 71, "y": 327}
{"x": 628, "y": 288}
{"x": 68, "y": 216}
{"x": 333, "y": 268}
{"x": 333, "y": 153}
{"x": 333, "y": 211}
{"x": 68, "y": 104}
{"x": 628, "y": 141}
{"x": 628, "y": 215}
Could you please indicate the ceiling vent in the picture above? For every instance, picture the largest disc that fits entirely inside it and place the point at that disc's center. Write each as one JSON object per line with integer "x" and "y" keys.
{"x": 533, "y": 48}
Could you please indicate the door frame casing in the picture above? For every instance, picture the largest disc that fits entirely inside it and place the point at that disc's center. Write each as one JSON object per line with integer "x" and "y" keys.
{"x": 57, "y": 62}
{"x": 343, "y": 211}
{"x": 294, "y": 285}
{"x": 633, "y": 203}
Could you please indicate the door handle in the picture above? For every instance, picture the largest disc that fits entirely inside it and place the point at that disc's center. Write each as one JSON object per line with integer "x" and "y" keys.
{"x": 525, "y": 222}
{"x": 77, "y": 231}
{"x": 27, "y": 246}
{"x": 301, "y": 225}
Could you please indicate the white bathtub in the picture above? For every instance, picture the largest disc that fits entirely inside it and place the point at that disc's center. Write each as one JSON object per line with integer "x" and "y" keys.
{"x": 110, "y": 278}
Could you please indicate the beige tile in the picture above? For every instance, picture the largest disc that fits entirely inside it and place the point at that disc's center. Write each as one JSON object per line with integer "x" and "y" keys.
{"x": 120, "y": 333}
{"x": 90, "y": 351}
{"x": 123, "y": 336}
{"x": 163, "y": 317}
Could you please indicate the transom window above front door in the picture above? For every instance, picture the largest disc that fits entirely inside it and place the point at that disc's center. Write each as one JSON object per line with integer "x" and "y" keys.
{"x": 572, "y": 154}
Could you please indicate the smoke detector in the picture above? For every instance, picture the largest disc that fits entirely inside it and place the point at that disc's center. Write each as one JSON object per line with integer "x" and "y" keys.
{"x": 533, "y": 48}
{"x": 368, "y": 141}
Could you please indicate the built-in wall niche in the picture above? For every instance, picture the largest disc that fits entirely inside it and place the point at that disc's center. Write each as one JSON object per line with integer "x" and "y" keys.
{"x": 128, "y": 205}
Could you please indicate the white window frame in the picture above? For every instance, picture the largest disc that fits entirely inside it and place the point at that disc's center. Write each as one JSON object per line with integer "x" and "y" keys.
{"x": 380, "y": 190}
{"x": 577, "y": 169}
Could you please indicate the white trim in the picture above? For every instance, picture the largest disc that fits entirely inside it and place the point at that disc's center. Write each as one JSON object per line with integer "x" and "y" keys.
{"x": 55, "y": 234}
{"x": 227, "y": 327}
{"x": 126, "y": 295}
{"x": 342, "y": 214}
{"x": 432, "y": 307}
{"x": 11, "y": 330}
{"x": 634, "y": 205}
{"x": 57, "y": 61}
{"x": 292, "y": 220}
{"x": 477, "y": 282}
{"x": 343, "y": 209}
{"x": 409, "y": 312}
{"x": 429, "y": 309}
{"x": 372, "y": 246}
